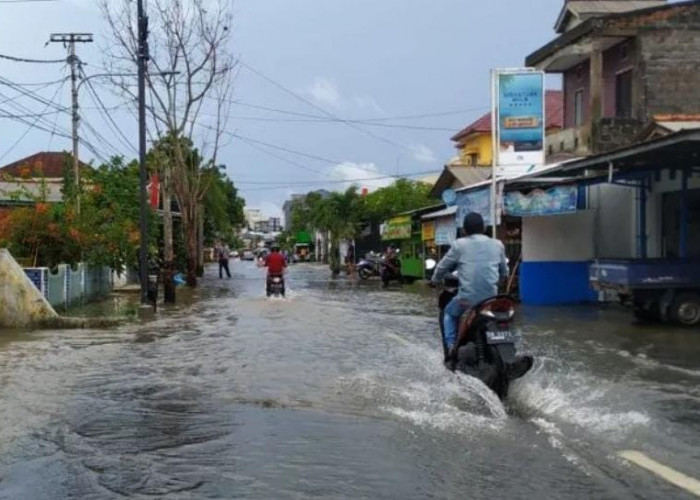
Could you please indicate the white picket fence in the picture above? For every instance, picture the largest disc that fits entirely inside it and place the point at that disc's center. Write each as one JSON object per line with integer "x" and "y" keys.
{"x": 67, "y": 286}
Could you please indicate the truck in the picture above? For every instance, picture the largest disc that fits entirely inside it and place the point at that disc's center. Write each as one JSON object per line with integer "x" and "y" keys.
{"x": 657, "y": 289}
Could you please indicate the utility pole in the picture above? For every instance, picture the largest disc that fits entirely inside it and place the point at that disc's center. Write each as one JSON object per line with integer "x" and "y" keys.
{"x": 70, "y": 39}
{"x": 143, "y": 57}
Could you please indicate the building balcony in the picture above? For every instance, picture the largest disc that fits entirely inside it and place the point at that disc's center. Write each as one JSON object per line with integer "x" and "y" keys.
{"x": 568, "y": 143}
{"x": 607, "y": 134}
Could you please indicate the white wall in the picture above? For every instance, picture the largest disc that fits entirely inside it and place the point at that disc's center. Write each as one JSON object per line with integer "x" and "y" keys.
{"x": 559, "y": 238}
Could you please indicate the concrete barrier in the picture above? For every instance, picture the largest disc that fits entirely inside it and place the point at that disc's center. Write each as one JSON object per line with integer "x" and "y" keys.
{"x": 21, "y": 303}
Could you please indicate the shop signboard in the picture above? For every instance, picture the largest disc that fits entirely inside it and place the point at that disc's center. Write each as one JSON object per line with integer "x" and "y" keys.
{"x": 520, "y": 124}
{"x": 478, "y": 201}
{"x": 445, "y": 231}
{"x": 428, "y": 231}
{"x": 556, "y": 200}
{"x": 398, "y": 228}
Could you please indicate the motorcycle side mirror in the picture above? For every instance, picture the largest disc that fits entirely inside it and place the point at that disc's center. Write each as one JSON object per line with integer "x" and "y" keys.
{"x": 430, "y": 264}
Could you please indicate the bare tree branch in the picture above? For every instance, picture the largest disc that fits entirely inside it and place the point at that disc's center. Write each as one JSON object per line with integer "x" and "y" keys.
{"x": 191, "y": 70}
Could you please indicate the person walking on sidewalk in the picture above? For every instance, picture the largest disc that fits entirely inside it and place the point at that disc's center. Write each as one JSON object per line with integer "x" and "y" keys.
{"x": 222, "y": 253}
{"x": 350, "y": 260}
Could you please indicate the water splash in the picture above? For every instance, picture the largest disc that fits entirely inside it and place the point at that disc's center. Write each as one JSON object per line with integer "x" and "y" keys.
{"x": 576, "y": 398}
{"x": 420, "y": 390}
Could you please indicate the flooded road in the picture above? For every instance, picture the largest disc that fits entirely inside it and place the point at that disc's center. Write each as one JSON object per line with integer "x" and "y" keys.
{"x": 339, "y": 392}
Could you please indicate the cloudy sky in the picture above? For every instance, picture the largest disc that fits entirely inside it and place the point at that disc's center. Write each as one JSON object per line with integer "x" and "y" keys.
{"x": 361, "y": 89}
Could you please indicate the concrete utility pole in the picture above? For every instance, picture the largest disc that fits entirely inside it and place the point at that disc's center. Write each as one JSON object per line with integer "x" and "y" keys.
{"x": 143, "y": 57}
{"x": 70, "y": 39}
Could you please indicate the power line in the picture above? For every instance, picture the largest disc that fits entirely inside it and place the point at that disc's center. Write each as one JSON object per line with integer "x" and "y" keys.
{"x": 317, "y": 183}
{"x": 109, "y": 120}
{"x": 337, "y": 181}
{"x": 30, "y": 115}
{"x": 362, "y": 120}
{"x": 33, "y": 61}
{"x": 41, "y": 123}
{"x": 40, "y": 84}
{"x": 286, "y": 150}
{"x": 29, "y": 128}
{"x": 282, "y": 158}
{"x": 99, "y": 137}
{"x": 328, "y": 120}
{"x": 316, "y": 106}
{"x": 31, "y": 94}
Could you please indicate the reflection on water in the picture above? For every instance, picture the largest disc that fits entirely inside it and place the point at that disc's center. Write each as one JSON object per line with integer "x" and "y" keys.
{"x": 337, "y": 391}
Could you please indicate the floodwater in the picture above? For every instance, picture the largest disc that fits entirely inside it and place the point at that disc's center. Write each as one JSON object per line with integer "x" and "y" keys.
{"x": 339, "y": 392}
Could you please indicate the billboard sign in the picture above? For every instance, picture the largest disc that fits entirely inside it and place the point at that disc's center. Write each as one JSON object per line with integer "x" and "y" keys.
{"x": 520, "y": 124}
{"x": 398, "y": 228}
{"x": 556, "y": 200}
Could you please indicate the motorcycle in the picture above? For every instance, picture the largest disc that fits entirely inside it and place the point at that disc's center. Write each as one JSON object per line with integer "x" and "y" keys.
{"x": 275, "y": 286}
{"x": 391, "y": 270}
{"x": 487, "y": 342}
{"x": 370, "y": 266}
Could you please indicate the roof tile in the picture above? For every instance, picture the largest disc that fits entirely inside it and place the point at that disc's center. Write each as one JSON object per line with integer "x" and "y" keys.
{"x": 554, "y": 110}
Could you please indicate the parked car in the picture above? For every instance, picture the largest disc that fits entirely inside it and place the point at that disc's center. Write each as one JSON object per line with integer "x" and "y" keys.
{"x": 248, "y": 255}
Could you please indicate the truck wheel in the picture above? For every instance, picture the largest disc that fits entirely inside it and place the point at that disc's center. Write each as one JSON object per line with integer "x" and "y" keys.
{"x": 685, "y": 309}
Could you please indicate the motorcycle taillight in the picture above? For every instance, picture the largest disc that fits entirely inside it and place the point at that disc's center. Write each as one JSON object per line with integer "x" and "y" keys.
{"x": 501, "y": 308}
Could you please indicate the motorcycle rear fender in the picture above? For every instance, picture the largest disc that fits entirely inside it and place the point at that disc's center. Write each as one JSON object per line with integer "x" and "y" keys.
{"x": 506, "y": 352}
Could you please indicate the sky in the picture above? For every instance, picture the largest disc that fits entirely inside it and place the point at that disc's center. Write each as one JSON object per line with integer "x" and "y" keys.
{"x": 348, "y": 84}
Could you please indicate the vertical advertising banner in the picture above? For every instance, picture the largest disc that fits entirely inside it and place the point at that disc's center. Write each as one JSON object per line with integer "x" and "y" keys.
{"x": 520, "y": 126}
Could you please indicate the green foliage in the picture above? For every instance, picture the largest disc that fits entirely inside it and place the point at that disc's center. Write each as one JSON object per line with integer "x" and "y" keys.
{"x": 42, "y": 234}
{"x": 104, "y": 232}
{"x": 223, "y": 209}
{"x": 110, "y": 214}
{"x": 342, "y": 213}
{"x": 402, "y": 196}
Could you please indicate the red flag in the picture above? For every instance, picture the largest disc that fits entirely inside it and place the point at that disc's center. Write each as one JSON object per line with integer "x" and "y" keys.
{"x": 154, "y": 191}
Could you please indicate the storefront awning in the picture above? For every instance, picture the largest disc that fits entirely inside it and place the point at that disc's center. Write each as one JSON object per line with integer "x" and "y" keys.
{"x": 445, "y": 212}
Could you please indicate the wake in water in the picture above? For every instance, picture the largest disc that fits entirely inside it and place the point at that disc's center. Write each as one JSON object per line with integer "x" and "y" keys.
{"x": 420, "y": 390}
{"x": 565, "y": 395}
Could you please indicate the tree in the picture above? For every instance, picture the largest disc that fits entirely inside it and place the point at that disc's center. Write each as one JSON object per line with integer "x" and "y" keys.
{"x": 190, "y": 72}
{"x": 402, "y": 196}
{"x": 337, "y": 215}
{"x": 223, "y": 208}
{"x": 104, "y": 232}
{"x": 108, "y": 221}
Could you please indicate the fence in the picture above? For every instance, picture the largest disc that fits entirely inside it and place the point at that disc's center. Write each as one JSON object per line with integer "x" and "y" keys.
{"x": 65, "y": 286}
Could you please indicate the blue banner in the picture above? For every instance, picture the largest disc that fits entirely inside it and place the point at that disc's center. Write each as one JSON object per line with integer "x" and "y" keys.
{"x": 474, "y": 201}
{"x": 556, "y": 200}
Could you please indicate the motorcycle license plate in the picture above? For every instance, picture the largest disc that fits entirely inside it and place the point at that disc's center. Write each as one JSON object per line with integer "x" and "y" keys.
{"x": 501, "y": 337}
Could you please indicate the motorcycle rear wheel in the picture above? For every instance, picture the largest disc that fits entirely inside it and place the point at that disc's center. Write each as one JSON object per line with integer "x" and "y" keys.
{"x": 364, "y": 274}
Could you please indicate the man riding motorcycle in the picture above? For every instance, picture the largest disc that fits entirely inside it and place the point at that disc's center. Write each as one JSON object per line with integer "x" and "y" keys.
{"x": 276, "y": 264}
{"x": 481, "y": 264}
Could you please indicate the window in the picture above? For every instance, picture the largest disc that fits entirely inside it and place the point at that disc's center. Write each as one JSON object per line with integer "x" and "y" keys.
{"x": 578, "y": 108}
{"x": 623, "y": 95}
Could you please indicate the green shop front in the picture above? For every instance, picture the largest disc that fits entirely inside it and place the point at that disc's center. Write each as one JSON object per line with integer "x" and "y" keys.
{"x": 303, "y": 247}
{"x": 405, "y": 232}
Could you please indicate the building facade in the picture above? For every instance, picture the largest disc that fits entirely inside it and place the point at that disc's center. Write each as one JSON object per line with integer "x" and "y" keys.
{"x": 624, "y": 64}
